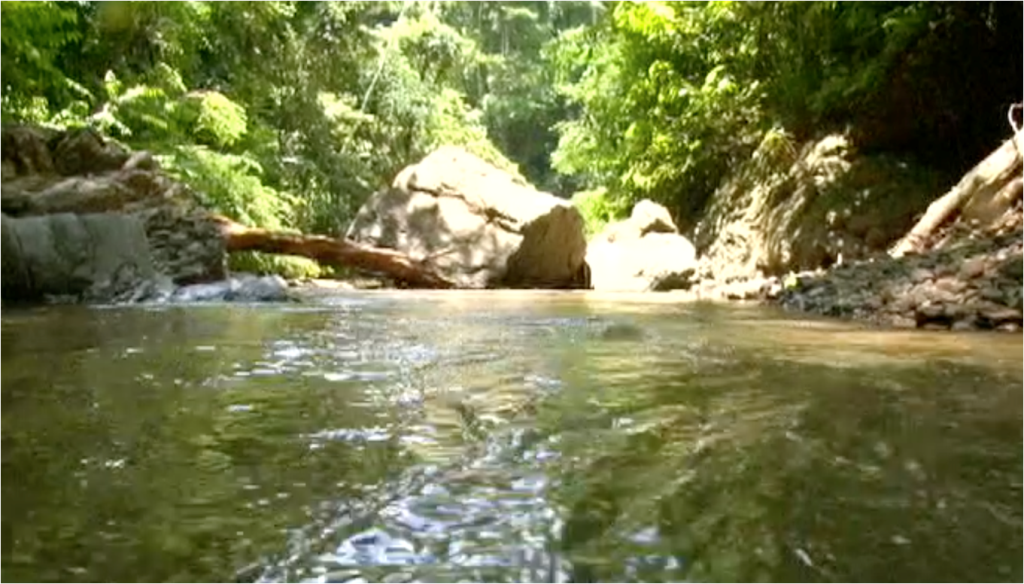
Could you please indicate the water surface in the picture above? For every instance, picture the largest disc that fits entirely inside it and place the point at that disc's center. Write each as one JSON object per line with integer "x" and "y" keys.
{"x": 393, "y": 436}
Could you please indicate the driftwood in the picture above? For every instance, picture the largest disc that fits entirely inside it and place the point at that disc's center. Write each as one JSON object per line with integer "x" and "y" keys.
{"x": 983, "y": 193}
{"x": 328, "y": 250}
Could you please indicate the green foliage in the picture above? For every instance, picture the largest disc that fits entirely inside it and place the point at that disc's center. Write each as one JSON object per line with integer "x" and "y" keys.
{"x": 218, "y": 121}
{"x": 599, "y": 209}
{"x": 250, "y": 101}
{"x": 290, "y": 267}
{"x": 230, "y": 184}
{"x": 669, "y": 98}
{"x": 663, "y": 114}
{"x": 34, "y": 34}
{"x": 289, "y": 114}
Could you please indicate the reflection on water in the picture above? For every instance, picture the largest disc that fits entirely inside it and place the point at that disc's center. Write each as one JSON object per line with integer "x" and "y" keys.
{"x": 503, "y": 437}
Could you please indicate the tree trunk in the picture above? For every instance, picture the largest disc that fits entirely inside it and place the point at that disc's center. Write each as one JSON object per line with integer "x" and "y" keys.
{"x": 329, "y": 250}
{"x": 982, "y": 184}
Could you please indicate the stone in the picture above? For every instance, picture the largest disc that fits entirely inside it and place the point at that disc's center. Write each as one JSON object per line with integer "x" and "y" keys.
{"x": 271, "y": 288}
{"x": 1013, "y": 269}
{"x": 186, "y": 245}
{"x": 207, "y": 292}
{"x": 25, "y": 151}
{"x": 85, "y": 152}
{"x": 827, "y": 201}
{"x": 963, "y": 325}
{"x": 992, "y": 293}
{"x": 903, "y": 322}
{"x": 647, "y": 217}
{"x": 654, "y": 262}
{"x": 920, "y": 275}
{"x": 973, "y": 267}
{"x": 950, "y": 285}
{"x": 996, "y": 314}
{"x": 16, "y": 280}
{"x": 243, "y": 288}
{"x": 965, "y": 277}
{"x": 650, "y": 217}
{"x": 477, "y": 225}
{"x": 140, "y": 160}
{"x": 73, "y": 255}
{"x": 643, "y": 253}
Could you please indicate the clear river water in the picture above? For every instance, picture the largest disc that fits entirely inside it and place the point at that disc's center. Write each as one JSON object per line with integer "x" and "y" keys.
{"x": 503, "y": 437}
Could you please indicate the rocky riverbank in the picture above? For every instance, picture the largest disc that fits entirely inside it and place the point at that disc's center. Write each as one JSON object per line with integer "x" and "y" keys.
{"x": 972, "y": 286}
{"x": 86, "y": 221}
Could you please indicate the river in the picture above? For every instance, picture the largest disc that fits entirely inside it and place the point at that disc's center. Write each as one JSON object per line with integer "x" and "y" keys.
{"x": 503, "y": 436}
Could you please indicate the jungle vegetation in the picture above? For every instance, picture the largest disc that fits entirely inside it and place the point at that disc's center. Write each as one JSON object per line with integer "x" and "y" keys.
{"x": 289, "y": 114}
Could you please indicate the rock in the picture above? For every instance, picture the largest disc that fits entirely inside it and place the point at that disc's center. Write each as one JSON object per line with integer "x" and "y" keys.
{"x": 972, "y": 268}
{"x": 241, "y": 288}
{"x": 950, "y": 285}
{"x": 969, "y": 292}
{"x": 16, "y": 280}
{"x": 643, "y": 253}
{"x": 963, "y": 325}
{"x": 921, "y": 275}
{"x": 94, "y": 256}
{"x": 1013, "y": 268}
{"x": 186, "y": 245}
{"x": 260, "y": 289}
{"x": 85, "y": 152}
{"x": 654, "y": 262}
{"x": 25, "y": 151}
{"x": 126, "y": 191}
{"x": 650, "y": 217}
{"x": 478, "y": 225}
{"x": 141, "y": 160}
{"x": 822, "y": 200}
{"x": 903, "y": 322}
{"x": 995, "y": 314}
{"x": 208, "y": 292}
{"x": 647, "y": 217}
{"x": 106, "y": 231}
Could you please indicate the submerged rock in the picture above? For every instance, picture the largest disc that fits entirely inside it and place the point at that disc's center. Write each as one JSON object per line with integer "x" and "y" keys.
{"x": 242, "y": 288}
{"x": 623, "y": 332}
{"x": 478, "y": 225}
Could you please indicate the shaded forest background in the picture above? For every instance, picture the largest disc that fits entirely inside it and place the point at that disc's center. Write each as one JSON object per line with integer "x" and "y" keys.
{"x": 290, "y": 114}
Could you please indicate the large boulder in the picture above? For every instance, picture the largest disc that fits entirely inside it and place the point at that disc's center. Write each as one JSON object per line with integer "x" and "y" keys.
{"x": 642, "y": 254}
{"x": 478, "y": 225}
{"x": 100, "y": 256}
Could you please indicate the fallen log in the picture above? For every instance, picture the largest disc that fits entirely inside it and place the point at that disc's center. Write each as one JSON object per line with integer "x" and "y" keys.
{"x": 329, "y": 250}
{"x": 986, "y": 190}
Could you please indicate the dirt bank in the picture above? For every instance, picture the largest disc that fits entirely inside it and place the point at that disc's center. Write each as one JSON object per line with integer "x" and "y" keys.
{"x": 958, "y": 267}
{"x": 843, "y": 235}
